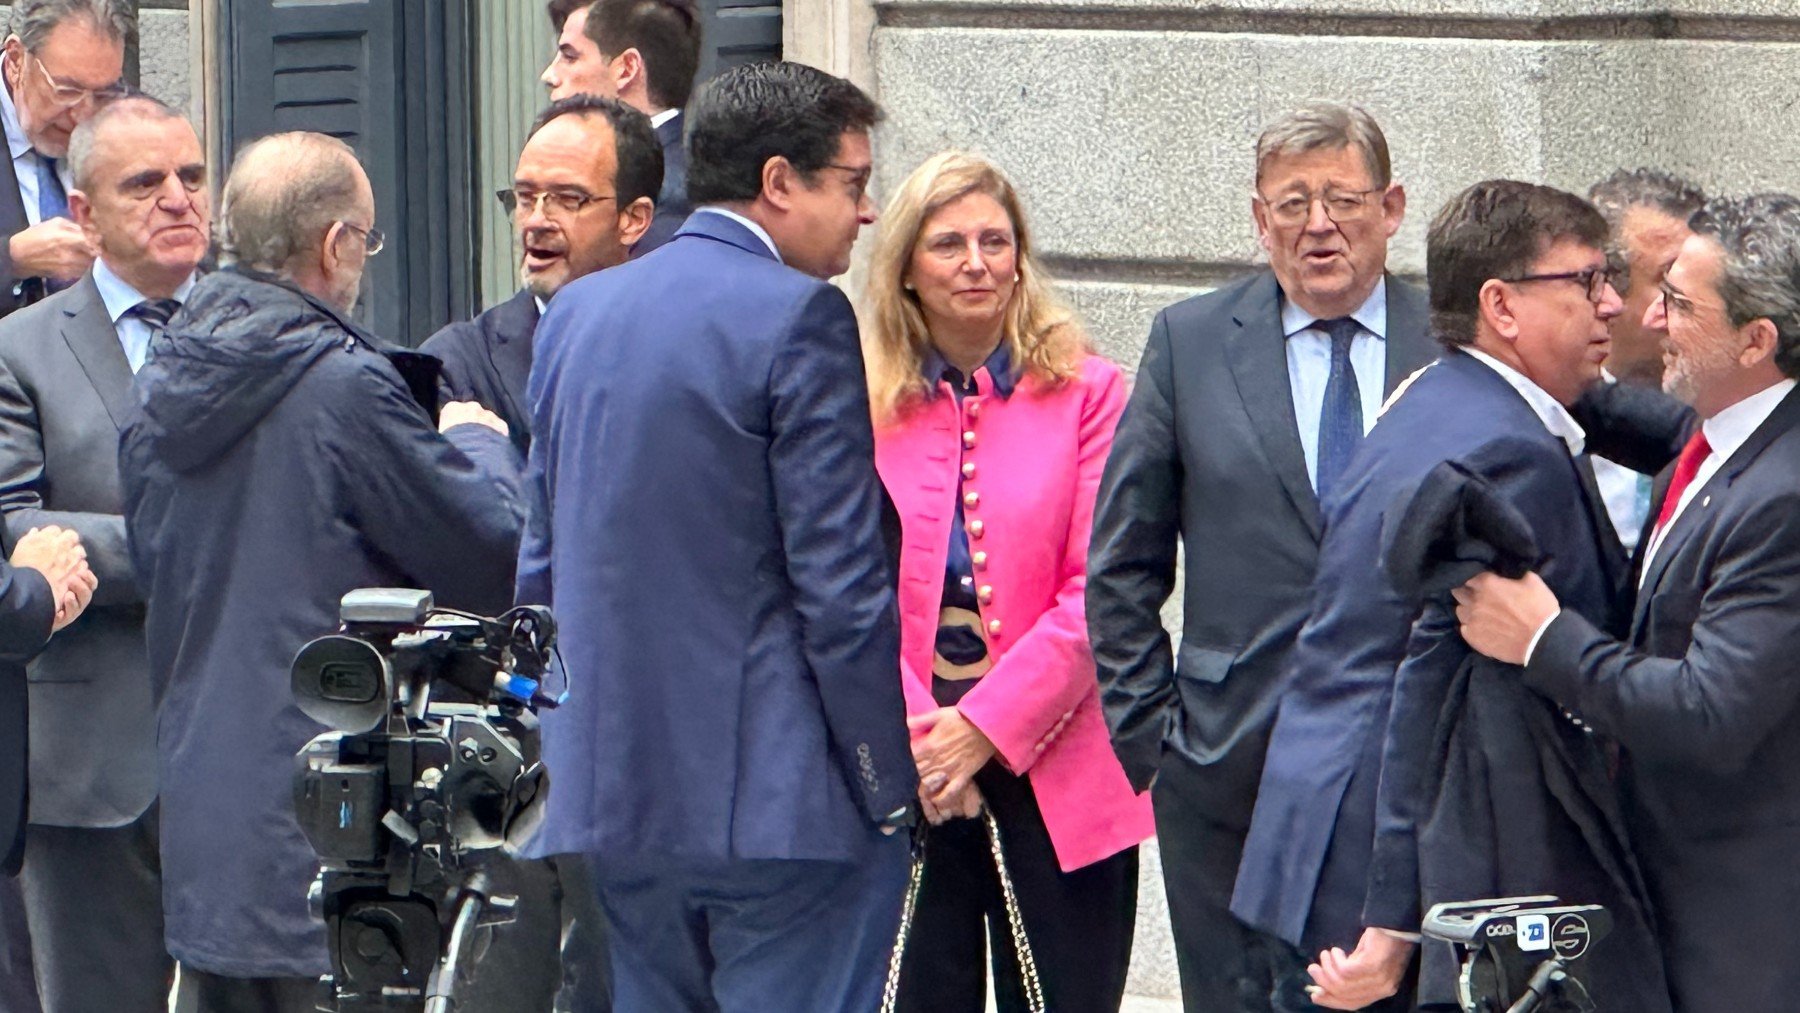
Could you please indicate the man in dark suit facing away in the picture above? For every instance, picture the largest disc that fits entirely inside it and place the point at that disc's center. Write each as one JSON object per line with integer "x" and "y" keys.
{"x": 734, "y": 752}
{"x": 92, "y": 875}
{"x": 644, "y": 53}
{"x": 1247, "y": 403}
{"x": 1701, "y": 693}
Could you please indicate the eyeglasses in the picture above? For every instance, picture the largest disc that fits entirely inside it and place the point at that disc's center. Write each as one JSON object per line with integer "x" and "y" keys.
{"x": 1594, "y": 279}
{"x": 859, "y": 177}
{"x": 522, "y": 203}
{"x": 1340, "y": 205}
{"x": 67, "y": 96}
{"x": 1674, "y": 301}
{"x": 371, "y": 237}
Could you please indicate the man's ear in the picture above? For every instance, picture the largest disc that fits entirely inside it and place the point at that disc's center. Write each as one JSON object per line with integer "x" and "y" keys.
{"x": 1494, "y": 303}
{"x": 331, "y": 255}
{"x": 81, "y": 212}
{"x": 12, "y": 64}
{"x": 628, "y": 70}
{"x": 1393, "y": 208}
{"x": 780, "y": 182}
{"x": 1260, "y": 215}
{"x": 635, "y": 219}
{"x": 1761, "y": 339}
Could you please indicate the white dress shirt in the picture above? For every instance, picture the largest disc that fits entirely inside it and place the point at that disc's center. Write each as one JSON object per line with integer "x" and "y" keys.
{"x": 1309, "y": 367}
{"x": 25, "y": 157}
{"x": 1625, "y": 493}
{"x": 663, "y": 117}
{"x": 761, "y": 233}
{"x": 1725, "y": 433}
{"x": 119, "y": 297}
{"x": 1549, "y": 411}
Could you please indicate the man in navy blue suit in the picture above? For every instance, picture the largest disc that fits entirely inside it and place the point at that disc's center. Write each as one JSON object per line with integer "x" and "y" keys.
{"x": 1520, "y": 296}
{"x": 708, "y": 527}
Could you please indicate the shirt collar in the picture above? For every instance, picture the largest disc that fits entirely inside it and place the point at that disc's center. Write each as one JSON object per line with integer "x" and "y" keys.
{"x": 663, "y": 117}
{"x": 760, "y": 232}
{"x": 119, "y": 297}
{"x": 1727, "y": 430}
{"x": 1372, "y": 314}
{"x": 998, "y": 366}
{"x": 1550, "y": 411}
{"x": 16, "y": 142}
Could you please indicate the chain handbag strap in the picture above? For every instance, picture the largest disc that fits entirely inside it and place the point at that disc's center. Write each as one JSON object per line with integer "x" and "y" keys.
{"x": 1028, "y": 972}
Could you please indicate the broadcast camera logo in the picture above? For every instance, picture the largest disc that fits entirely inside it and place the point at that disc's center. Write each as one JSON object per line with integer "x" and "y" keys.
{"x": 1570, "y": 936}
{"x": 1533, "y": 932}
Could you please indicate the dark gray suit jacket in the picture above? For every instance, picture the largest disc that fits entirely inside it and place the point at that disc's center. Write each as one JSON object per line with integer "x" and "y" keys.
{"x": 65, "y": 388}
{"x": 1208, "y": 453}
{"x": 14, "y": 291}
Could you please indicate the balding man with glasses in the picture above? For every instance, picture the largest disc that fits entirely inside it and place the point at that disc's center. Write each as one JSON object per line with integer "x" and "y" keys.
{"x": 62, "y": 60}
{"x": 1248, "y": 404}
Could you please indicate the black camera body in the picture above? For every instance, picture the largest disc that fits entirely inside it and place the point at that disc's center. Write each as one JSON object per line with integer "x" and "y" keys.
{"x": 432, "y": 768}
{"x": 1520, "y": 954}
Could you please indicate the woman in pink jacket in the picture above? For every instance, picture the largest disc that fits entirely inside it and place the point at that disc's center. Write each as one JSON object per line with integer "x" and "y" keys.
{"x": 993, "y": 420}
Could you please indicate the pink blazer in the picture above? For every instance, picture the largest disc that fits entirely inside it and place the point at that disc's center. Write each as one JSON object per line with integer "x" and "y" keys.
{"x": 1031, "y": 466}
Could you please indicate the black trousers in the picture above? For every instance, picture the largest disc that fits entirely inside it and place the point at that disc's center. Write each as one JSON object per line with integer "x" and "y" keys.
{"x": 1079, "y": 924}
{"x": 552, "y": 956}
{"x": 93, "y": 902}
{"x": 201, "y": 992}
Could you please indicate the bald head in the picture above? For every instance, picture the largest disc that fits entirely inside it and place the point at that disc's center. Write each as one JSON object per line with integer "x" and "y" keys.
{"x": 291, "y": 207}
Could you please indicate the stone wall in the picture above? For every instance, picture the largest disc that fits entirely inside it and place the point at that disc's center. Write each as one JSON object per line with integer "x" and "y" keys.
{"x": 1128, "y": 124}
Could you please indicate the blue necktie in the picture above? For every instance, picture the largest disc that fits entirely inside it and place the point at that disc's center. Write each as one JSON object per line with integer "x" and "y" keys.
{"x": 52, "y": 201}
{"x": 1341, "y": 422}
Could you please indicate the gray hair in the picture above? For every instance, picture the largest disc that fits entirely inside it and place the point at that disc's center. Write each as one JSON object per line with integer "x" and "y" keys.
{"x": 82, "y": 141}
{"x": 34, "y": 20}
{"x": 1661, "y": 191}
{"x": 1318, "y": 125}
{"x": 1760, "y": 235}
{"x": 284, "y": 192}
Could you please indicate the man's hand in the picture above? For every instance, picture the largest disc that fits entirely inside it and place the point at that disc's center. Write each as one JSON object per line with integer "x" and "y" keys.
{"x": 56, "y": 248}
{"x": 963, "y": 805}
{"x": 58, "y": 555}
{"x": 948, "y": 750}
{"x": 464, "y": 413}
{"x": 1369, "y": 974}
{"x": 1500, "y": 617}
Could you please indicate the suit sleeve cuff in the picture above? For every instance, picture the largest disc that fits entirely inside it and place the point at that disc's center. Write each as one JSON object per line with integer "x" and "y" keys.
{"x": 1531, "y": 648}
{"x": 1405, "y": 937}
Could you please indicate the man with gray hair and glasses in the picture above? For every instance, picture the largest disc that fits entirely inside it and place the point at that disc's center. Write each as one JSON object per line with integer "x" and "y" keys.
{"x": 1248, "y": 404}
{"x": 61, "y": 61}
{"x": 1647, "y": 210}
{"x": 1701, "y": 693}
{"x": 274, "y": 459}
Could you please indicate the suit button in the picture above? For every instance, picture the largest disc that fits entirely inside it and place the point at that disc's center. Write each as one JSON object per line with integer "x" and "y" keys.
{"x": 980, "y": 560}
{"x": 971, "y": 500}
{"x": 986, "y": 594}
{"x": 976, "y": 529}
{"x": 993, "y": 627}
{"x": 973, "y": 407}
{"x": 968, "y": 439}
{"x": 968, "y": 469}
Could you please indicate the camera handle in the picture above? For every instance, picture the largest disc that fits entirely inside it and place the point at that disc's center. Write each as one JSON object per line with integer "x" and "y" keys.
{"x": 1548, "y": 975}
{"x": 440, "y": 993}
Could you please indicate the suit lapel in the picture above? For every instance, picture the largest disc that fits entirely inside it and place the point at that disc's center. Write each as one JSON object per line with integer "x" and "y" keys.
{"x": 1698, "y": 512}
{"x": 94, "y": 341}
{"x": 1409, "y": 343}
{"x": 510, "y": 351}
{"x": 1257, "y": 355}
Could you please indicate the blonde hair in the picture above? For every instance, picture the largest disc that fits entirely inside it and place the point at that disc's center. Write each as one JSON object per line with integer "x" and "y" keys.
{"x": 1041, "y": 332}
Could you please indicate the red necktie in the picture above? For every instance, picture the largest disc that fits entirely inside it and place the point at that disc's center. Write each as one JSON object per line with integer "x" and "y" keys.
{"x": 1686, "y": 467}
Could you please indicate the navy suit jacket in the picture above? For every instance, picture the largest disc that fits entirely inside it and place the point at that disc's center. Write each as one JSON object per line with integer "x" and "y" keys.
{"x": 672, "y": 207}
{"x": 1702, "y": 696}
{"x": 1305, "y": 873}
{"x": 27, "y": 609}
{"x": 488, "y": 360}
{"x": 709, "y": 532}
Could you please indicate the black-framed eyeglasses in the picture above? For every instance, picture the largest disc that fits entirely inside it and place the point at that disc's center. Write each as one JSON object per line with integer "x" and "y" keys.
{"x": 1675, "y": 301}
{"x": 1594, "y": 279}
{"x": 371, "y": 237}
{"x": 1340, "y": 205}
{"x": 522, "y": 203}
{"x": 859, "y": 177}
{"x": 64, "y": 95}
